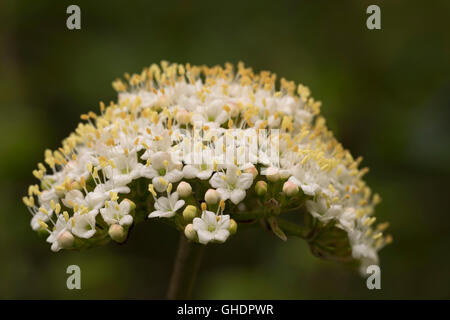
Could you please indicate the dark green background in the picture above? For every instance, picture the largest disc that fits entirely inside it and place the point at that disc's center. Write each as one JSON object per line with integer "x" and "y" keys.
{"x": 386, "y": 95}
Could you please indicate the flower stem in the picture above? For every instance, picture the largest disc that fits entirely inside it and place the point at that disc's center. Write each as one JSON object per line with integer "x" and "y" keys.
{"x": 293, "y": 229}
{"x": 187, "y": 263}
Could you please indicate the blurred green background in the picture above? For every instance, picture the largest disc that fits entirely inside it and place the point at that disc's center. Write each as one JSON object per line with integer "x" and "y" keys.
{"x": 385, "y": 93}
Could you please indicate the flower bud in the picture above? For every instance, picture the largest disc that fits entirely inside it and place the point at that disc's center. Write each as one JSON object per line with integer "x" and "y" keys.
{"x": 132, "y": 204}
{"x": 178, "y": 165}
{"x": 234, "y": 110}
{"x": 66, "y": 240}
{"x": 189, "y": 213}
{"x": 233, "y": 226}
{"x": 184, "y": 189}
{"x": 212, "y": 196}
{"x": 182, "y": 116}
{"x": 261, "y": 188}
{"x": 290, "y": 188}
{"x": 272, "y": 174}
{"x": 189, "y": 232}
{"x": 252, "y": 170}
{"x": 117, "y": 233}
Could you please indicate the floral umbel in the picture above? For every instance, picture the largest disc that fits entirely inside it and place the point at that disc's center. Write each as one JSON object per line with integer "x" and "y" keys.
{"x": 158, "y": 153}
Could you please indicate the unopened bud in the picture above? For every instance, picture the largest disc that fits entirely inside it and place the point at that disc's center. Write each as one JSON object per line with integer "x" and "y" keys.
{"x": 261, "y": 188}
{"x": 272, "y": 174}
{"x": 189, "y": 213}
{"x": 212, "y": 196}
{"x": 233, "y": 226}
{"x": 234, "y": 110}
{"x": 182, "y": 116}
{"x": 189, "y": 232}
{"x": 117, "y": 233}
{"x": 290, "y": 188}
{"x": 66, "y": 240}
{"x": 184, "y": 189}
{"x": 252, "y": 170}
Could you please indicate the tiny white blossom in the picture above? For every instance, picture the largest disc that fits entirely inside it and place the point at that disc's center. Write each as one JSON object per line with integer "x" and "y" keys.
{"x": 84, "y": 224}
{"x": 61, "y": 227}
{"x": 167, "y": 207}
{"x": 116, "y": 213}
{"x": 93, "y": 200}
{"x": 232, "y": 185}
{"x": 163, "y": 171}
{"x": 212, "y": 227}
{"x": 322, "y": 211}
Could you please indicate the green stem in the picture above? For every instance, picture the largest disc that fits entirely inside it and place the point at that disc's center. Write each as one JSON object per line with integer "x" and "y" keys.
{"x": 187, "y": 263}
{"x": 293, "y": 229}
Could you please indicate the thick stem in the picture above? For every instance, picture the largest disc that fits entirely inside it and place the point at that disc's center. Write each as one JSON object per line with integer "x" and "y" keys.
{"x": 185, "y": 269}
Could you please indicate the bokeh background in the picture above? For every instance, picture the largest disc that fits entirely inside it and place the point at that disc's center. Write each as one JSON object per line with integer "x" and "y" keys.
{"x": 385, "y": 93}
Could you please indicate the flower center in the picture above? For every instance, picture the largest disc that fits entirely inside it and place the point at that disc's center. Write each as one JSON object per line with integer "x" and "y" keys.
{"x": 162, "y": 172}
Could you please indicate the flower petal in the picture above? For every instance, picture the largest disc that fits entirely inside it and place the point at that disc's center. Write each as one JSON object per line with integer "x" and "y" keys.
{"x": 155, "y": 214}
{"x": 237, "y": 196}
{"x": 217, "y": 181}
{"x": 221, "y": 235}
{"x": 174, "y": 176}
{"x": 204, "y": 236}
{"x": 245, "y": 181}
{"x": 190, "y": 172}
{"x": 204, "y": 174}
{"x": 126, "y": 220}
{"x": 225, "y": 194}
{"x": 210, "y": 218}
{"x": 178, "y": 205}
{"x": 199, "y": 224}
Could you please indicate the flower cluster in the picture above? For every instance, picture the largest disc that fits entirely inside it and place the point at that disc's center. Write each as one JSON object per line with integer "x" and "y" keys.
{"x": 165, "y": 150}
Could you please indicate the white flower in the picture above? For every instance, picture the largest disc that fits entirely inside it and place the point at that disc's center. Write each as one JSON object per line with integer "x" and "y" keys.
{"x": 39, "y": 216}
{"x": 75, "y": 169}
{"x": 212, "y": 227}
{"x": 306, "y": 180}
{"x": 93, "y": 200}
{"x": 362, "y": 249}
{"x": 201, "y": 168}
{"x": 347, "y": 219}
{"x": 213, "y": 115}
{"x": 84, "y": 224}
{"x": 232, "y": 185}
{"x": 46, "y": 196}
{"x": 322, "y": 211}
{"x": 127, "y": 168}
{"x": 167, "y": 207}
{"x": 61, "y": 227}
{"x": 201, "y": 171}
{"x": 163, "y": 171}
{"x": 105, "y": 189}
{"x": 116, "y": 213}
{"x": 159, "y": 140}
